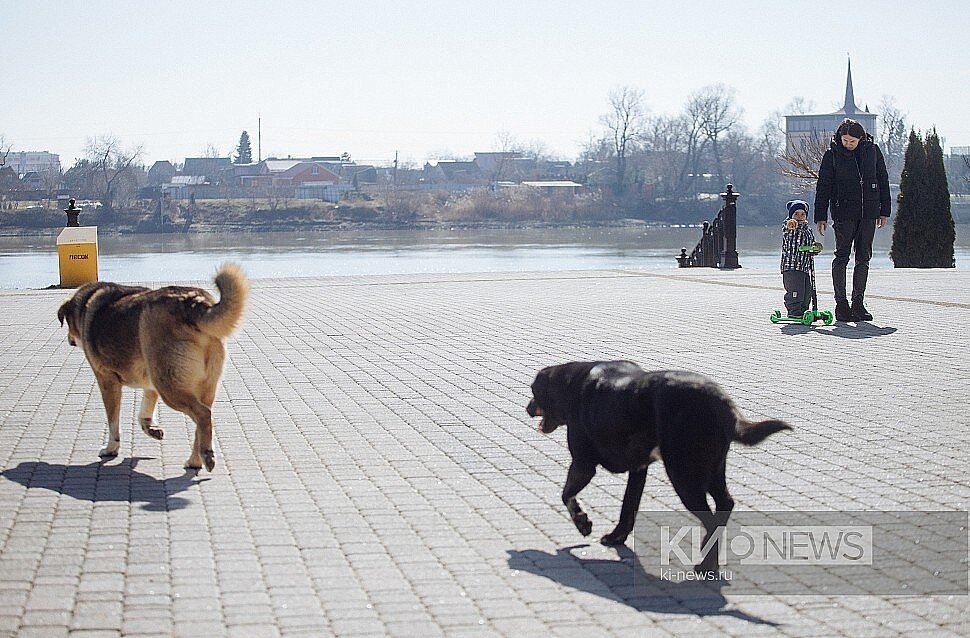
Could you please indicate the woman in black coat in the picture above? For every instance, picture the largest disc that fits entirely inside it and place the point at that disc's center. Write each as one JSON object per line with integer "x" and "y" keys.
{"x": 854, "y": 183}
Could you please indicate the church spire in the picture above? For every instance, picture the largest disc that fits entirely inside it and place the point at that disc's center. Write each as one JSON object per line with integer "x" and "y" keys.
{"x": 849, "y": 106}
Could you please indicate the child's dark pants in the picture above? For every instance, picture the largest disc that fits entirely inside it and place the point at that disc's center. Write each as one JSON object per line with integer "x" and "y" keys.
{"x": 798, "y": 291}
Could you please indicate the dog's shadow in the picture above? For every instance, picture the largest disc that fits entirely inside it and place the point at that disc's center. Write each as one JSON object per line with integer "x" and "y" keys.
{"x": 625, "y": 581}
{"x": 100, "y": 482}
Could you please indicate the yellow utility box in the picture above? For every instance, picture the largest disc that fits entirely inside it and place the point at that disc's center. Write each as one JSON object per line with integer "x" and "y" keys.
{"x": 77, "y": 255}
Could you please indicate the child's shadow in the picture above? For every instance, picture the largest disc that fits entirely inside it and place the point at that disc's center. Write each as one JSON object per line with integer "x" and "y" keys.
{"x": 860, "y": 330}
{"x": 625, "y": 581}
{"x": 98, "y": 482}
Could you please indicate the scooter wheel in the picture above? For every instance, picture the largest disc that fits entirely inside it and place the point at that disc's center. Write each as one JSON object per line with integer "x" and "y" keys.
{"x": 828, "y": 317}
{"x": 808, "y": 317}
{"x": 775, "y": 316}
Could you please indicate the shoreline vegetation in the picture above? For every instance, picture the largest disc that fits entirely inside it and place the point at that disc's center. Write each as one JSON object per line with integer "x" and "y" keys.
{"x": 395, "y": 211}
{"x": 391, "y": 211}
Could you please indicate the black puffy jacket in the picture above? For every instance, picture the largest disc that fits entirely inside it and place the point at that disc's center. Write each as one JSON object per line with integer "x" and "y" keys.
{"x": 854, "y": 183}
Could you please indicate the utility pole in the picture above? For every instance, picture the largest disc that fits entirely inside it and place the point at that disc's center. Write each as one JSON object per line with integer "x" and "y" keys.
{"x": 259, "y": 138}
{"x": 395, "y": 169}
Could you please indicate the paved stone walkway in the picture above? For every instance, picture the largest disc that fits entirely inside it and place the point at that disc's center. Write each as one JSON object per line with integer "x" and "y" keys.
{"x": 377, "y": 473}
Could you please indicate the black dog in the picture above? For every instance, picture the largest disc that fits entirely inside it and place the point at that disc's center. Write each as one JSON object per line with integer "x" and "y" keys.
{"x": 624, "y": 418}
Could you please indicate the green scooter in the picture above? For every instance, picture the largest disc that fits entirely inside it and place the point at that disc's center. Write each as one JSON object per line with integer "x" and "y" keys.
{"x": 813, "y": 315}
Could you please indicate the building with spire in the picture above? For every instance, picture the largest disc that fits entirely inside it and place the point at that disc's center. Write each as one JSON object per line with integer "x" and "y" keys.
{"x": 817, "y": 130}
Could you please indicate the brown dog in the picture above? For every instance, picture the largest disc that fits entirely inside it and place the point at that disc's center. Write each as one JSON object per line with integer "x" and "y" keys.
{"x": 168, "y": 341}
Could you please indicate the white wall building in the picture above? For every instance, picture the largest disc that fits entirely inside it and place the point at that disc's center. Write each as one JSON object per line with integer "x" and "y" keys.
{"x": 37, "y": 161}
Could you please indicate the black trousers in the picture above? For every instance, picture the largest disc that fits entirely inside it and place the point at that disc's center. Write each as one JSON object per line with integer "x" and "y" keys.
{"x": 848, "y": 233}
{"x": 798, "y": 291}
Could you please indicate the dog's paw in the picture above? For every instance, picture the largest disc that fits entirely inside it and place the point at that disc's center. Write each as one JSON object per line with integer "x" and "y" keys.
{"x": 150, "y": 430}
{"x": 194, "y": 463}
{"x": 210, "y": 459}
{"x": 614, "y": 538}
{"x": 583, "y": 524}
{"x": 110, "y": 450}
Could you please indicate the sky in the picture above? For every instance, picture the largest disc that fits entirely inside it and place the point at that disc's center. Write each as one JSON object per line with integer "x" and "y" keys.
{"x": 427, "y": 80}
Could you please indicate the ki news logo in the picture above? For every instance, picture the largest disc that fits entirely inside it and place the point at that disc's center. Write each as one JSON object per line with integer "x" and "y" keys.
{"x": 816, "y": 545}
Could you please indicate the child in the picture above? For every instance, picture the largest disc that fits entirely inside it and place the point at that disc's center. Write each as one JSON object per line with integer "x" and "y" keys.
{"x": 796, "y": 265}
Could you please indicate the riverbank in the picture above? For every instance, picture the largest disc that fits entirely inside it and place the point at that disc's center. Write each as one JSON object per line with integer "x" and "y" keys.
{"x": 389, "y": 211}
{"x": 345, "y": 225}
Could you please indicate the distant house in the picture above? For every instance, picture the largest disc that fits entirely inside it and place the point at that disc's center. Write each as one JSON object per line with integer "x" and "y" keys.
{"x": 497, "y": 165}
{"x": 812, "y": 130}
{"x": 304, "y": 173}
{"x": 188, "y": 180}
{"x": 290, "y": 172}
{"x": 24, "y": 162}
{"x": 216, "y": 170}
{"x": 160, "y": 173}
{"x": 554, "y": 186}
{"x": 9, "y": 180}
{"x": 454, "y": 172}
{"x": 183, "y": 186}
{"x": 356, "y": 174}
{"x": 33, "y": 180}
{"x": 241, "y": 171}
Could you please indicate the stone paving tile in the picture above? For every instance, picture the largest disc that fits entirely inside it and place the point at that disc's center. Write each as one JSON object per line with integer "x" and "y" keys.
{"x": 377, "y": 475}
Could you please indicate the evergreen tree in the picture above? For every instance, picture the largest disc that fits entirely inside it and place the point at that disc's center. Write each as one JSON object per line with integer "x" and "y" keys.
{"x": 941, "y": 234}
{"x": 244, "y": 152}
{"x": 908, "y": 246}
{"x": 923, "y": 231}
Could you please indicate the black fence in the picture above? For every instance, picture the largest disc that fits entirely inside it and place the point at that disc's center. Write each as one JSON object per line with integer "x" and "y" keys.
{"x": 718, "y": 246}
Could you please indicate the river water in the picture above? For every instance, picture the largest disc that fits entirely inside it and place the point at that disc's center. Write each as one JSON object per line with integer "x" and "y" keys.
{"x": 31, "y": 262}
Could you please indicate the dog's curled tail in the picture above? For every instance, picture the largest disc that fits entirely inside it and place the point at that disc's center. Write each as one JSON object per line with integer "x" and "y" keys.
{"x": 221, "y": 319}
{"x": 754, "y": 432}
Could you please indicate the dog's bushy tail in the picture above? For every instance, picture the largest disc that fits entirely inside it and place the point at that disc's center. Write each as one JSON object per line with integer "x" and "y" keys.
{"x": 221, "y": 319}
{"x": 754, "y": 432}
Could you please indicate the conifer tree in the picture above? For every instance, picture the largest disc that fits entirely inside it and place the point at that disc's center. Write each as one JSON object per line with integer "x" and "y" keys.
{"x": 923, "y": 231}
{"x": 908, "y": 247}
{"x": 939, "y": 228}
{"x": 244, "y": 152}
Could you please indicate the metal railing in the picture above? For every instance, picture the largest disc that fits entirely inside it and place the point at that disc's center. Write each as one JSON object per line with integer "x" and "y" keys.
{"x": 717, "y": 247}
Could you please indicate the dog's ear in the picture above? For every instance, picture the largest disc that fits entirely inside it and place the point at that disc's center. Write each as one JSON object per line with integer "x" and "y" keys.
{"x": 66, "y": 308}
{"x": 540, "y": 383}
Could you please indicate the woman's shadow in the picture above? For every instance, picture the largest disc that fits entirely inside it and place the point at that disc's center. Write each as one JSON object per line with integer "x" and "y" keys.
{"x": 625, "y": 581}
{"x": 860, "y": 330}
{"x": 99, "y": 482}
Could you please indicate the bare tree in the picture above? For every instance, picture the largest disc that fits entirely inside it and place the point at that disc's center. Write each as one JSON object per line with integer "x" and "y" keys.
{"x": 110, "y": 164}
{"x": 52, "y": 176}
{"x": 536, "y": 149}
{"x": 696, "y": 143}
{"x": 4, "y": 150}
{"x": 665, "y": 146}
{"x": 717, "y": 113}
{"x": 771, "y": 135}
{"x": 893, "y": 135}
{"x": 799, "y": 106}
{"x": 211, "y": 151}
{"x": 801, "y": 160}
{"x": 624, "y": 123}
{"x": 507, "y": 147}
